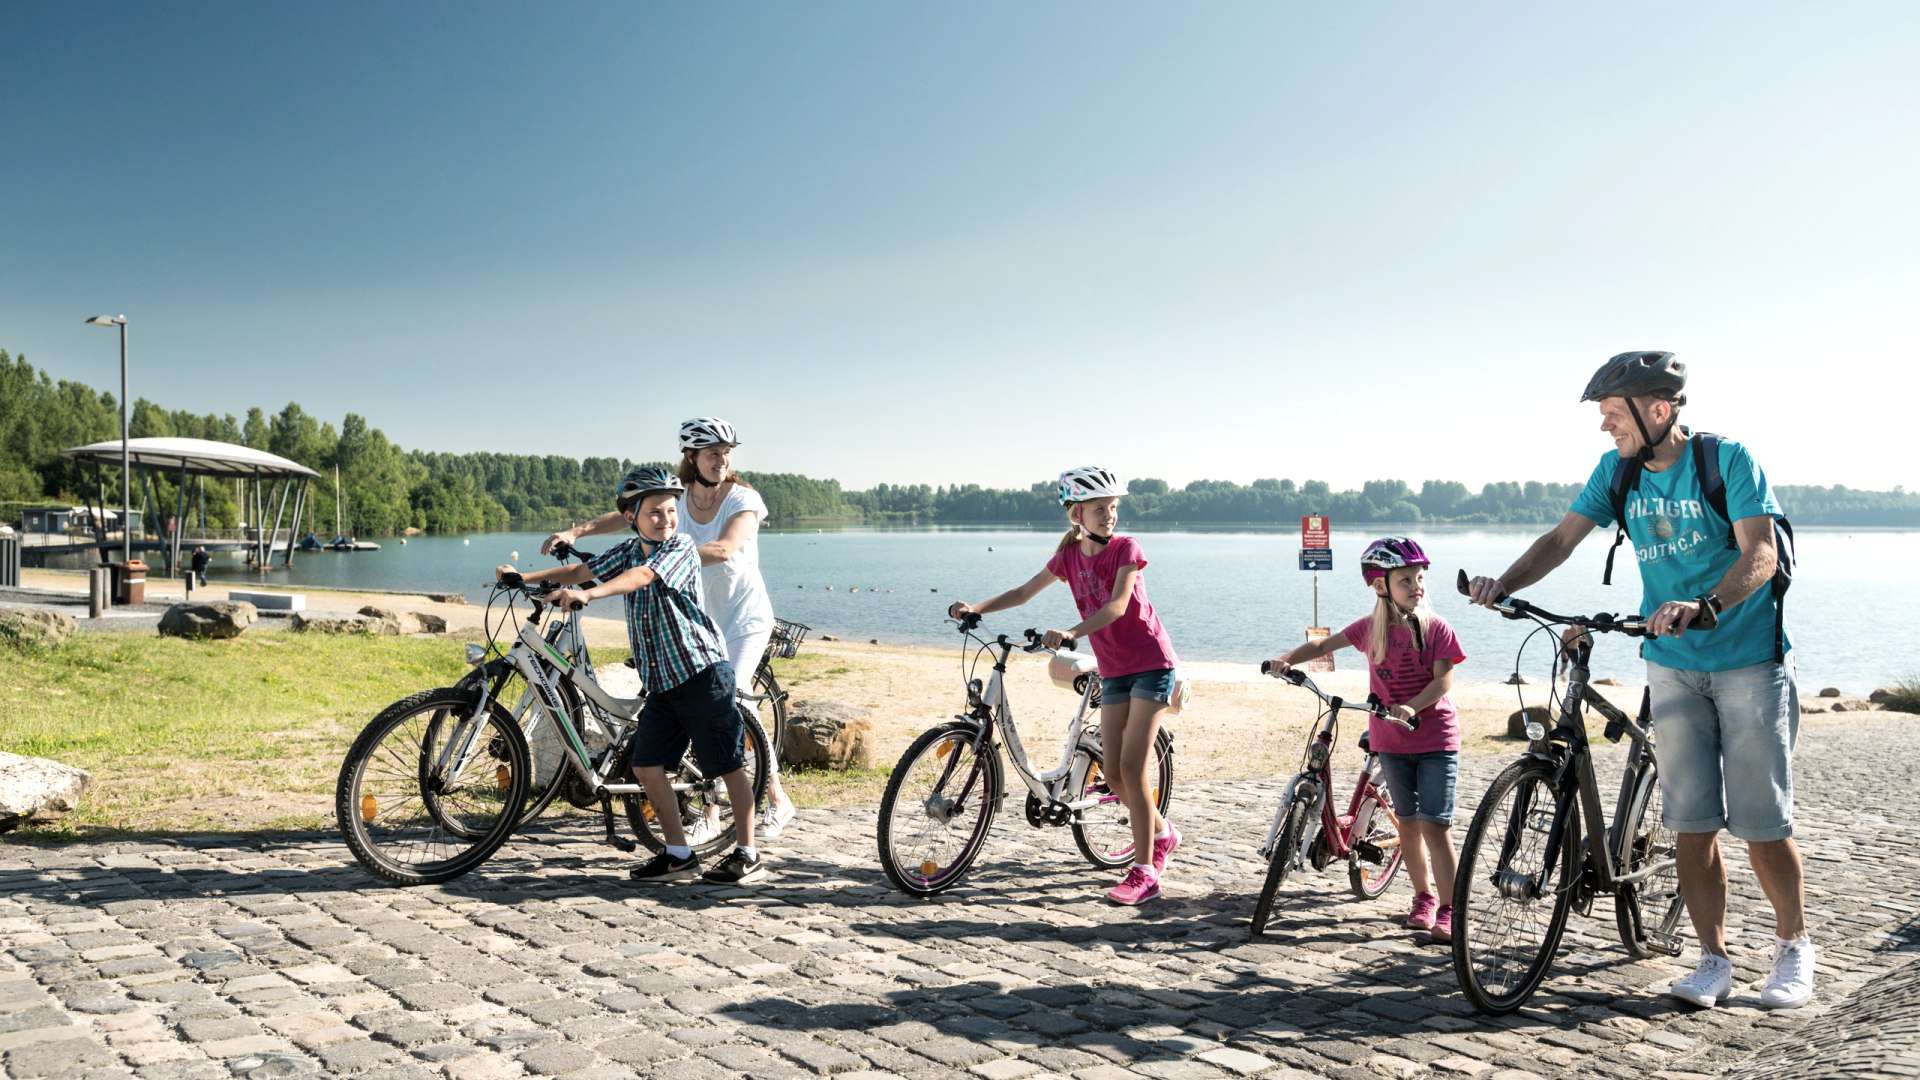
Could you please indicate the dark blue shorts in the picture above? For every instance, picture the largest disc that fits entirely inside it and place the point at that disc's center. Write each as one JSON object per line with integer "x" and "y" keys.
{"x": 700, "y": 712}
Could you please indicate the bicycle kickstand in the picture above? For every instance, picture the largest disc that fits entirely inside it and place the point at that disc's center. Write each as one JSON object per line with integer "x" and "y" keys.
{"x": 606, "y": 812}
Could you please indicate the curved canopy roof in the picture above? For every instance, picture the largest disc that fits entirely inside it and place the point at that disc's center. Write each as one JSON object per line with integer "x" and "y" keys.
{"x": 197, "y": 457}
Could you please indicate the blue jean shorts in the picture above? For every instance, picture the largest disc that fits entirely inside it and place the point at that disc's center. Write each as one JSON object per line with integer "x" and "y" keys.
{"x": 1421, "y": 785}
{"x": 1155, "y": 685}
{"x": 1725, "y": 746}
{"x": 700, "y": 712}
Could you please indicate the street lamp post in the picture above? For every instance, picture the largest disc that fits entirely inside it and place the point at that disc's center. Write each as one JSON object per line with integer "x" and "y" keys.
{"x": 126, "y": 471}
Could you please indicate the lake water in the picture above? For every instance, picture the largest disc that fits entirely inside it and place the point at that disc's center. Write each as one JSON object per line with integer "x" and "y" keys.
{"x": 1225, "y": 595}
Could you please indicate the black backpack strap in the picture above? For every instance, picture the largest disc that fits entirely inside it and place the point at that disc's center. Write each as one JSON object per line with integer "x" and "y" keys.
{"x": 1713, "y": 487}
{"x": 1626, "y": 475}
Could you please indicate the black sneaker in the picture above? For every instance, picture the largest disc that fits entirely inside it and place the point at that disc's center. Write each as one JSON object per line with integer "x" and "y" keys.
{"x": 664, "y": 867}
{"x": 738, "y": 868}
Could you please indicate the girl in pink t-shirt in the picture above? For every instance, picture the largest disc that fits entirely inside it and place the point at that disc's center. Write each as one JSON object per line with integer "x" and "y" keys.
{"x": 1410, "y": 657}
{"x": 1134, "y": 653}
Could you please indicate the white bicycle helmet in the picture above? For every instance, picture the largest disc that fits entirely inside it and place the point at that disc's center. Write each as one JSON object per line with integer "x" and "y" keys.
{"x": 1089, "y": 482}
{"x": 704, "y": 431}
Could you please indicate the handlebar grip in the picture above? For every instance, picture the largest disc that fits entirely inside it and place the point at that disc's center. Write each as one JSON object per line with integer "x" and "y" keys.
{"x": 1706, "y": 620}
{"x": 1295, "y": 676}
{"x": 969, "y": 620}
{"x": 512, "y": 580}
{"x": 1462, "y": 583}
{"x": 1266, "y": 667}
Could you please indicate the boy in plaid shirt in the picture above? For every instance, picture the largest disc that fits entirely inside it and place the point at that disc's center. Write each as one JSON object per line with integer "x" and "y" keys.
{"x": 683, "y": 666}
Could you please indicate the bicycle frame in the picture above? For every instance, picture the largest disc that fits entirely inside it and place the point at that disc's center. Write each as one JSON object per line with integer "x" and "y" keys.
{"x": 1338, "y": 828}
{"x": 992, "y": 708}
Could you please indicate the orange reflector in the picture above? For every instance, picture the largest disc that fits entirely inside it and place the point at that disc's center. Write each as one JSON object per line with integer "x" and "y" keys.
{"x": 503, "y": 777}
{"x": 927, "y": 868}
{"x": 943, "y": 749}
{"x": 369, "y": 809}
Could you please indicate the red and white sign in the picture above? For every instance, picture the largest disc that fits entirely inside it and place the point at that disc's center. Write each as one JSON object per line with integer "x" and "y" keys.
{"x": 1316, "y": 532}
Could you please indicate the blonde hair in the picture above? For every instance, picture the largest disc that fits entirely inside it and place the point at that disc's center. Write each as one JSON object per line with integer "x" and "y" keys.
{"x": 1386, "y": 616}
{"x": 688, "y": 472}
{"x": 1075, "y": 533}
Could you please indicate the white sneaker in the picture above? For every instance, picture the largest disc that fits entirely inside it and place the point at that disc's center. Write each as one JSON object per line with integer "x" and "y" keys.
{"x": 1790, "y": 984}
{"x": 701, "y": 831}
{"x": 773, "y": 820}
{"x": 1710, "y": 984}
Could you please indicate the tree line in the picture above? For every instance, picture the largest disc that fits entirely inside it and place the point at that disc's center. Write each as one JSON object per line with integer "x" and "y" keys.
{"x": 386, "y": 489}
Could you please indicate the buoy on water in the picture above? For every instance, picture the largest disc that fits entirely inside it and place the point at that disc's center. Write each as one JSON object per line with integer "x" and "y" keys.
{"x": 513, "y": 555}
{"x": 466, "y": 541}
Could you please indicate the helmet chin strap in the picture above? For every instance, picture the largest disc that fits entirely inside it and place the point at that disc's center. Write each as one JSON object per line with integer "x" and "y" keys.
{"x": 1645, "y": 456}
{"x": 701, "y": 479}
{"x": 1103, "y": 541}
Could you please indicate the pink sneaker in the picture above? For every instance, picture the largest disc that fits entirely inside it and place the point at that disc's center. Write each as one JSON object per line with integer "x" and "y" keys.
{"x": 1139, "y": 887}
{"x": 1443, "y": 924}
{"x": 1421, "y": 917}
{"x": 1163, "y": 846}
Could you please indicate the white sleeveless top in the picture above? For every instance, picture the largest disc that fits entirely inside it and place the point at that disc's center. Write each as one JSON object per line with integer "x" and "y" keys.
{"x": 732, "y": 593}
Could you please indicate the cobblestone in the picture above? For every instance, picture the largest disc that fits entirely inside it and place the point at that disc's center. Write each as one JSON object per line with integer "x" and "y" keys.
{"x": 174, "y": 959}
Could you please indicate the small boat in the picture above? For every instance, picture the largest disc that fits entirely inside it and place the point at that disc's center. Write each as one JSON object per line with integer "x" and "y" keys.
{"x": 309, "y": 542}
{"x": 341, "y": 543}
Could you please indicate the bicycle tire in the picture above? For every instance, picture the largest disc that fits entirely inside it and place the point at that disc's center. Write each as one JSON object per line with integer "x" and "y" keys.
{"x": 927, "y": 847}
{"x": 1645, "y": 840}
{"x": 381, "y": 798}
{"x": 697, "y": 793}
{"x": 549, "y": 763}
{"x": 1368, "y": 879}
{"x": 1286, "y": 848}
{"x": 1504, "y": 944}
{"x": 764, "y": 684}
{"x": 1104, "y": 833}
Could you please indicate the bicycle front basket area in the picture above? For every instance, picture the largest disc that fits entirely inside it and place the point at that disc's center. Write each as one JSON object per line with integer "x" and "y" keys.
{"x": 787, "y": 637}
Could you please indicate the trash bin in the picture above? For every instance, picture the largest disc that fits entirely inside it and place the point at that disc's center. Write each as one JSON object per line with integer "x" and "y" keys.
{"x": 130, "y": 583}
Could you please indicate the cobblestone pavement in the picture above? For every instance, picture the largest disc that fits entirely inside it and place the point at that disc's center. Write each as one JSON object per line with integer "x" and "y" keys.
{"x": 277, "y": 956}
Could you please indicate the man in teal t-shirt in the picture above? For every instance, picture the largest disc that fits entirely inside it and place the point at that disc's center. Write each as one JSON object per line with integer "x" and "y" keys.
{"x": 1724, "y": 701}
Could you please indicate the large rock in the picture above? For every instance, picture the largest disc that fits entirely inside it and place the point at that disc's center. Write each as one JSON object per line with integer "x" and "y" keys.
{"x": 358, "y": 624}
{"x": 408, "y": 622}
{"x": 35, "y": 789}
{"x": 34, "y": 626}
{"x": 827, "y": 735}
{"x": 213, "y": 619}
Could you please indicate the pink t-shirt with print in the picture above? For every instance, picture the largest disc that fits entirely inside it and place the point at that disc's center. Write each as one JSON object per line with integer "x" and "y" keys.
{"x": 1405, "y": 673}
{"x": 1134, "y": 642}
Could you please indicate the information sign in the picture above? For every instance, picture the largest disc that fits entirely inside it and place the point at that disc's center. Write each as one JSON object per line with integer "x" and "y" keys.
{"x": 1316, "y": 531}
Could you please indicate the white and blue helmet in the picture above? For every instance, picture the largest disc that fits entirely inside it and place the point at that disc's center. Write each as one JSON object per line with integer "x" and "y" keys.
{"x": 1089, "y": 482}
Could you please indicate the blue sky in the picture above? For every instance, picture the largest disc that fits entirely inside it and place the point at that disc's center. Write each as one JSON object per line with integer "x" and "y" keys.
{"x": 982, "y": 242}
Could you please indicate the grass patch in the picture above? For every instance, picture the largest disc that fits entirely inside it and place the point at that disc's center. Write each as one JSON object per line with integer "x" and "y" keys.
{"x": 815, "y": 786}
{"x": 206, "y": 735}
{"x": 1903, "y": 696}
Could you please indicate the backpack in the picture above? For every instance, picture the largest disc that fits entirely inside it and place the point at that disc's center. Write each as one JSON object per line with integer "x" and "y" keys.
{"x": 1713, "y": 488}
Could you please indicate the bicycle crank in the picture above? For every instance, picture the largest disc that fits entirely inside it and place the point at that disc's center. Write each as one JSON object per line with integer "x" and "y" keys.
{"x": 1047, "y": 813}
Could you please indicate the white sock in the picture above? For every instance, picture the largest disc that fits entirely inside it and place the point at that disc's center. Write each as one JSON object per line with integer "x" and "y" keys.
{"x": 750, "y": 853}
{"x": 1148, "y": 867}
{"x": 680, "y": 852}
{"x": 1166, "y": 832}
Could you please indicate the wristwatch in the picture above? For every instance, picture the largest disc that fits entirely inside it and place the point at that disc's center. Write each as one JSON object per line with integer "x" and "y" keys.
{"x": 1709, "y": 601}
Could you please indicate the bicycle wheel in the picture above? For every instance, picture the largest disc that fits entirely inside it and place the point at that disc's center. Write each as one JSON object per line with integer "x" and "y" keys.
{"x": 773, "y": 711}
{"x": 1373, "y": 824}
{"x": 1286, "y": 853}
{"x": 938, "y": 806}
{"x": 548, "y": 760}
{"x": 1104, "y": 831}
{"x": 1648, "y": 911}
{"x": 415, "y": 813}
{"x": 1510, "y": 902}
{"x": 706, "y": 811}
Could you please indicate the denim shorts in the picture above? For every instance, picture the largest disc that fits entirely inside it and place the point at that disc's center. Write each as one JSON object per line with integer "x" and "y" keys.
{"x": 1155, "y": 685}
{"x": 1421, "y": 785}
{"x": 700, "y": 712}
{"x": 1725, "y": 746}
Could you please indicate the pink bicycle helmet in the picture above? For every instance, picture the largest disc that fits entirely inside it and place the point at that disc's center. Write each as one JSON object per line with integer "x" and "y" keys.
{"x": 1390, "y": 553}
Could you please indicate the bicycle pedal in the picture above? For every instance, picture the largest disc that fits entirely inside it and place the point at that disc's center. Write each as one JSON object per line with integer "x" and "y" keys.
{"x": 622, "y": 844}
{"x": 1370, "y": 851}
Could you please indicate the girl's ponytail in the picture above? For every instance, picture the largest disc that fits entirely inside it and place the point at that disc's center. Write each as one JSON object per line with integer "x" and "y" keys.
{"x": 1071, "y": 538}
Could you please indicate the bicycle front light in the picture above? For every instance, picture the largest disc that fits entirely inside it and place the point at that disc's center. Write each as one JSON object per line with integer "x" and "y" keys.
{"x": 476, "y": 655}
{"x": 1536, "y": 730}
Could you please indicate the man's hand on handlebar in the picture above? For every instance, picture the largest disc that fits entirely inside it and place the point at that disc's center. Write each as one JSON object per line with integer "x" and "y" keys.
{"x": 1674, "y": 617}
{"x": 1486, "y": 591}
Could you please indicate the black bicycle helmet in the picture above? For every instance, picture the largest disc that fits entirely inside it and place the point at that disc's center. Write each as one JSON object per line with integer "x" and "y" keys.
{"x": 1638, "y": 374}
{"x": 643, "y": 480}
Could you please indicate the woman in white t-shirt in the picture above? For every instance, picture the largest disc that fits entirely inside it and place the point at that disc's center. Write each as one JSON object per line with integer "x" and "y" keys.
{"x": 722, "y": 514}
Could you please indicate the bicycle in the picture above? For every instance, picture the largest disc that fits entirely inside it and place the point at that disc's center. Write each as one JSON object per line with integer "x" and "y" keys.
{"x": 1305, "y": 829}
{"x": 943, "y": 795}
{"x": 1539, "y": 846}
{"x": 438, "y": 781}
{"x": 783, "y": 645}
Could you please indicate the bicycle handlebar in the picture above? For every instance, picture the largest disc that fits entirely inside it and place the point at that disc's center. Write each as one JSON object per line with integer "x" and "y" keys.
{"x": 1373, "y": 707}
{"x": 1633, "y": 626}
{"x": 970, "y": 621}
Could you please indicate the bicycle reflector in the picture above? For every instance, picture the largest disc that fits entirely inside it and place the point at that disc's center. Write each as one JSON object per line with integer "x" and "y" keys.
{"x": 369, "y": 809}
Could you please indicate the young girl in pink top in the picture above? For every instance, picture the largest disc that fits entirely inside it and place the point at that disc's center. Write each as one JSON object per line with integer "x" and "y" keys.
{"x": 1135, "y": 656}
{"x": 1410, "y": 657}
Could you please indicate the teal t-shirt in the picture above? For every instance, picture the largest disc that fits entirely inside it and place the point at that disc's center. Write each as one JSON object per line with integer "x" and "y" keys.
{"x": 1682, "y": 547}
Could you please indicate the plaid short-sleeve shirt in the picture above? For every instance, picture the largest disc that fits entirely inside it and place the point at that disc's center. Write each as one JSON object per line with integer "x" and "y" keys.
{"x": 672, "y": 639}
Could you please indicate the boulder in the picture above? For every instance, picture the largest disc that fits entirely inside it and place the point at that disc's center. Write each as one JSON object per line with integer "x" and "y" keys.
{"x": 1608, "y": 681}
{"x": 406, "y": 622}
{"x": 359, "y": 624}
{"x": 827, "y": 735}
{"x": 35, "y": 789}
{"x": 33, "y": 626}
{"x": 1517, "y": 679}
{"x": 1831, "y": 691}
{"x": 1517, "y": 723}
{"x": 1881, "y": 696}
{"x": 447, "y": 597}
{"x": 213, "y": 619}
